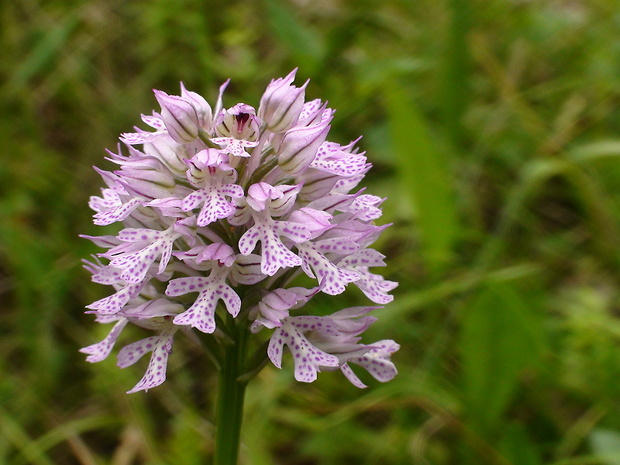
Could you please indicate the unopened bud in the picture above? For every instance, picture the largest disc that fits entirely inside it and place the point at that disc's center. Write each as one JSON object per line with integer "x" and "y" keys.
{"x": 179, "y": 116}
{"x": 316, "y": 221}
{"x": 203, "y": 109}
{"x": 317, "y": 184}
{"x": 299, "y": 146}
{"x": 278, "y": 199}
{"x": 147, "y": 177}
{"x": 170, "y": 153}
{"x": 281, "y": 104}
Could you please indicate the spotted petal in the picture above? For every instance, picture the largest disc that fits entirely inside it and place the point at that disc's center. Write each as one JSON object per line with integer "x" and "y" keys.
{"x": 308, "y": 359}
{"x": 233, "y": 146}
{"x": 377, "y": 361}
{"x": 215, "y": 206}
{"x": 333, "y": 278}
{"x": 135, "y": 265}
{"x": 373, "y": 285}
{"x": 115, "y": 302}
{"x": 211, "y": 289}
{"x": 161, "y": 347}
{"x": 101, "y": 350}
{"x": 274, "y": 254}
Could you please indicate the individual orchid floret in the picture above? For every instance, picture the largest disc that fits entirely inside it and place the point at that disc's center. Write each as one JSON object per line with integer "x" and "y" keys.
{"x": 179, "y": 117}
{"x": 116, "y": 203}
{"x": 211, "y": 289}
{"x": 374, "y": 286}
{"x": 207, "y": 170}
{"x": 336, "y": 335}
{"x": 110, "y": 208}
{"x": 267, "y": 201}
{"x": 238, "y": 128}
{"x": 111, "y": 305}
{"x": 140, "y": 249}
{"x": 317, "y": 263}
{"x": 274, "y": 253}
{"x": 201, "y": 166}
{"x": 152, "y": 314}
{"x": 239, "y": 122}
{"x": 333, "y": 158}
{"x": 367, "y": 206}
{"x": 114, "y": 303}
{"x": 281, "y": 104}
{"x": 309, "y": 360}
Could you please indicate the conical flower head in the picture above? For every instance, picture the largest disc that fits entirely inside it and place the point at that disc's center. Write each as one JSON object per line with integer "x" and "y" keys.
{"x": 219, "y": 212}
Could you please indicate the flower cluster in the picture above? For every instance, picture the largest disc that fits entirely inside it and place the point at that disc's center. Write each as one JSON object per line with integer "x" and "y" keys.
{"x": 222, "y": 209}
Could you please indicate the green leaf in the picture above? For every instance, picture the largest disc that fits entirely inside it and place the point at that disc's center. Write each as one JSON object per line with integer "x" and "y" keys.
{"x": 595, "y": 151}
{"x": 424, "y": 176}
{"x": 500, "y": 336}
{"x": 47, "y": 48}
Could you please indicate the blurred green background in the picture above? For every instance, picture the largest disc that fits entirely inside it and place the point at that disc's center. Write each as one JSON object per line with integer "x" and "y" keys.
{"x": 494, "y": 127}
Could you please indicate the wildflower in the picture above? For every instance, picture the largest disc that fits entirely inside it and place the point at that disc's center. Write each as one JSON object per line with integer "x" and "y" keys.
{"x": 221, "y": 209}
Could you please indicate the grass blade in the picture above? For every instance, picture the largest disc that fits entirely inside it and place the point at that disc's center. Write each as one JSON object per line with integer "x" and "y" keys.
{"x": 424, "y": 177}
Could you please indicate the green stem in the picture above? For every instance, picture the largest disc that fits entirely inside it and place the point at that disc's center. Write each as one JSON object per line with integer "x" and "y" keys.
{"x": 230, "y": 395}
{"x": 203, "y": 136}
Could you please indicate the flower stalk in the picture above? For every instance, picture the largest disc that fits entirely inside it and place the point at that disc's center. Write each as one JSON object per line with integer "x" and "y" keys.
{"x": 230, "y": 398}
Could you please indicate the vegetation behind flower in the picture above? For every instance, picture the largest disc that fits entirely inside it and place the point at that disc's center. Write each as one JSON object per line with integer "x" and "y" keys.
{"x": 511, "y": 107}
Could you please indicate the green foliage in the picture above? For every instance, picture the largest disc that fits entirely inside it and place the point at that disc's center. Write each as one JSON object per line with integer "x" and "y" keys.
{"x": 500, "y": 337}
{"x": 494, "y": 129}
{"x": 423, "y": 177}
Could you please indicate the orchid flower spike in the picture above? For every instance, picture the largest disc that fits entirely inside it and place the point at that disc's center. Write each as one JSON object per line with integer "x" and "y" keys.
{"x": 224, "y": 216}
